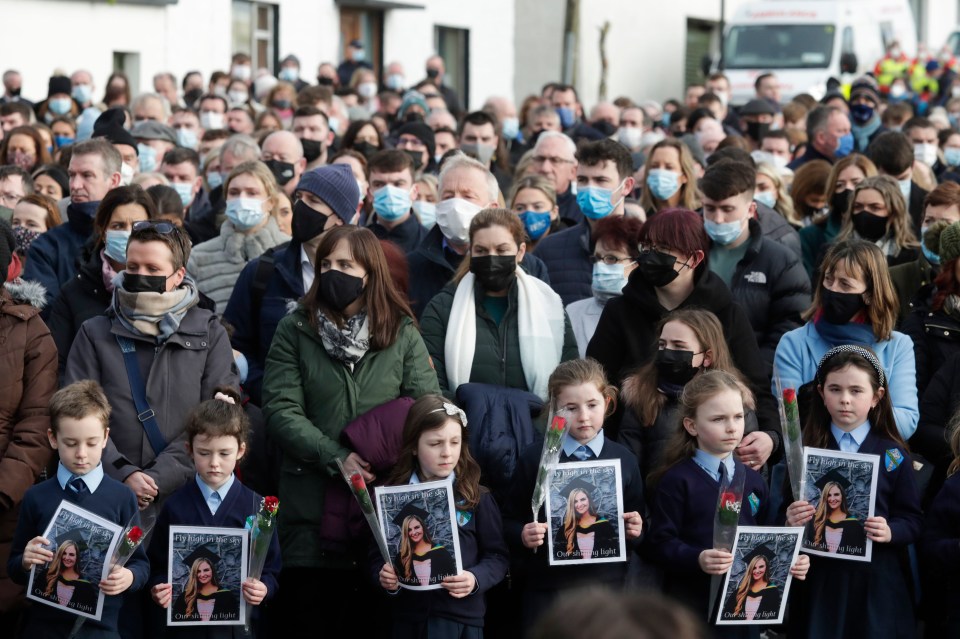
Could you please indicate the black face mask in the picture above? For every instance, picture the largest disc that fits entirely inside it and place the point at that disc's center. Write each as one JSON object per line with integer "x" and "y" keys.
{"x": 312, "y": 149}
{"x": 756, "y": 130}
{"x": 135, "y": 283}
{"x": 869, "y": 226}
{"x": 191, "y": 96}
{"x": 324, "y": 81}
{"x": 604, "y": 127}
{"x": 338, "y": 289}
{"x": 417, "y": 157}
{"x": 657, "y": 268}
{"x": 433, "y": 73}
{"x": 365, "y": 149}
{"x": 283, "y": 171}
{"x": 676, "y": 367}
{"x": 15, "y": 92}
{"x": 840, "y": 202}
{"x": 494, "y": 272}
{"x": 307, "y": 223}
{"x": 839, "y": 308}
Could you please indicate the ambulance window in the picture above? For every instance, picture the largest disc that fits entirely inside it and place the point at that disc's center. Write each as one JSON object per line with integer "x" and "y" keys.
{"x": 847, "y": 46}
{"x": 886, "y": 34}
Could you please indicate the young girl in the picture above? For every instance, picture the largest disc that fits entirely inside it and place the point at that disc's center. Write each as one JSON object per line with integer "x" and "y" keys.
{"x": 711, "y": 412}
{"x": 435, "y": 447}
{"x": 580, "y": 387}
{"x": 852, "y": 412}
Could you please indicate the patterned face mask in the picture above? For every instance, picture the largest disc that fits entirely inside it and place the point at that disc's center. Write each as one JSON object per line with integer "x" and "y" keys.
{"x": 25, "y": 237}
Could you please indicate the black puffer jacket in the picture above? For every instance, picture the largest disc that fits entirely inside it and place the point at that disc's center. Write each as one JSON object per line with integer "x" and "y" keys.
{"x": 81, "y": 298}
{"x": 938, "y": 405}
{"x": 773, "y": 288}
{"x": 567, "y": 256}
{"x": 936, "y": 338}
{"x": 775, "y": 227}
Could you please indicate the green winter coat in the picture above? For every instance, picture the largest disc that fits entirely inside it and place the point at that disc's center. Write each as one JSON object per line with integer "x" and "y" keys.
{"x": 308, "y": 398}
{"x": 496, "y": 359}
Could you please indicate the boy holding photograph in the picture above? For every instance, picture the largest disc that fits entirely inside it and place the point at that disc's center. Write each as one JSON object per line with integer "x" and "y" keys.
{"x": 79, "y": 418}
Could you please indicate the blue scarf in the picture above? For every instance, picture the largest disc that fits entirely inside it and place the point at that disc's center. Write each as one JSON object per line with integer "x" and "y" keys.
{"x": 849, "y": 333}
{"x": 862, "y": 133}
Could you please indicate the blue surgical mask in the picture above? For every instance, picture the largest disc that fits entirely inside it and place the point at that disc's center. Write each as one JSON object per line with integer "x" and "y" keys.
{"x": 596, "y": 202}
{"x": 359, "y": 55}
{"x": 59, "y": 106}
{"x": 115, "y": 246}
{"x": 391, "y": 203}
{"x": 663, "y": 183}
{"x": 427, "y": 212}
{"x": 245, "y": 213}
{"x": 951, "y": 156}
{"x": 932, "y": 257}
{"x": 567, "y": 116}
{"x": 608, "y": 280}
{"x": 767, "y": 198}
{"x": 723, "y": 234}
{"x": 334, "y": 123}
{"x": 61, "y": 141}
{"x": 148, "y": 158}
{"x": 214, "y": 179}
{"x": 395, "y": 81}
{"x": 289, "y": 74}
{"x": 905, "y": 188}
{"x": 844, "y": 146}
{"x": 187, "y": 138}
{"x": 82, "y": 93}
{"x": 536, "y": 223}
{"x": 184, "y": 190}
{"x": 511, "y": 128}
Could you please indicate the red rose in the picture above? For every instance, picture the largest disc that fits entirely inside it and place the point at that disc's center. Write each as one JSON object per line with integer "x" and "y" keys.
{"x": 558, "y": 423}
{"x": 789, "y": 395}
{"x": 135, "y": 535}
{"x": 356, "y": 480}
{"x": 728, "y": 500}
{"x": 271, "y": 504}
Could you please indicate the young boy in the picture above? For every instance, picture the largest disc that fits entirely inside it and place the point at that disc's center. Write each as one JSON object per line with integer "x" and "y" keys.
{"x": 217, "y": 432}
{"x": 79, "y": 414}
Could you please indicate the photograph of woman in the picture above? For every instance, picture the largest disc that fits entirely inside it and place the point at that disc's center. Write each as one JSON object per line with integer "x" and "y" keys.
{"x": 65, "y": 584}
{"x": 203, "y": 598}
{"x": 756, "y": 596}
{"x": 585, "y": 533}
{"x": 420, "y": 562}
{"x": 833, "y": 529}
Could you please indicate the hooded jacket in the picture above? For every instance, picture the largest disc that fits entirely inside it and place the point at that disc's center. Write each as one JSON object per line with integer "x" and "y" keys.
{"x": 53, "y": 258}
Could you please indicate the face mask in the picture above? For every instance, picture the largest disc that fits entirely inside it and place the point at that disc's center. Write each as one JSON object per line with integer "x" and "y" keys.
{"x": 238, "y": 97}
{"x": 365, "y": 149}
{"x": 869, "y": 226}
{"x": 723, "y": 234}
{"x": 214, "y": 179}
{"x": 82, "y": 93}
{"x": 840, "y": 202}
{"x": 494, "y": 272}
{"x": 427, "y": 212}
{"x": 608, "y": 280}
{"x": 839, "y": 308}
{"x": 951, "y": 155}
{"x": 510, "y": 128}
{"x": 334, "y": 124}
{"x": 663, "y": 183}
{"x": 282, "y": 105}
{"x": 391, "y": 203}
{"x": 454, "y": 217}
{"x": 861, "y": 113}
{"x": 756, "y": 130}
{"x": 338, "y": 289}
{"x": 324, "y": 81}
{"x": 649, "y": 138}
{"x": 191, "y": 96}
{"x": 775, "y": 161}
{"x": 395, "y": 81}
{"x": 897, "y": 90}
{"x": 630, "y": 136}
{"x": 675, "y": 367}
{"x": 63, "y": 140}
{"x": 417, "y": 157}
{"x": 185, "y": 191}
{"x": 905, "y": 187}
{"x": 844, "y": 146}
{"x": 433, "y": 74}
{"x": 245, "y": 213}
{"x": 289, "y": 74}
{"x": 148, "y": 158}
{"x": 115, "y": 246}
{"x": 657, "y": 268}
{"x": 567, "y": 116}
{"x": 25, "y": 237}
{"x": 482, "y": 152}
{"x": 24, "y": 160}
{"x": 767, "y": 198}
{"x": 536, "y": 223}
{"x": 126, "y": 174}
{"x": 595, "y": 202}
{"x": 220, "y": 90}
{"x": 211, "y": 120}
{"x": 135, "y": 283}
{"x": 60, "y": 106}
{"x": 604, "y": 127}
{"x": 359, "y": 55}
{"x": 932, "y": 257}
{"x": 367, "y": 89}
{"x": 312, "y": 149}
{"x": 283, "y": 171}
{"x": 926, "y": 153}
{"x": 240, "y": 72}
{"x": 307, "y": 223}
{"x": 187, "y": 138}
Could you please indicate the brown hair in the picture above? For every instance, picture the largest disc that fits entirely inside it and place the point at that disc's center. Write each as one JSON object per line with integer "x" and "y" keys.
{"x": 217, "y": 418}
{"x": 576, "y": 372}
{"x": 47, "y": 204}
{"x": 866, "y": 261}
{"x": 386, "y": 306}
{"x": 689, "y": 194}
{"x": 115, "y": 198}
{"x": 946, "y": 194}
{"x": 899, "y": 224}
{"x": 176, "y": 240}
{"x": 537, "y": 182}
{"x": 426, "y": 414}
{"x": 811, "y": 179}
{"x": 41, "y": 156}
{"x": 488, "y": 218}
{"x": 862, "y": 162}
{"x": 78, "y": 400}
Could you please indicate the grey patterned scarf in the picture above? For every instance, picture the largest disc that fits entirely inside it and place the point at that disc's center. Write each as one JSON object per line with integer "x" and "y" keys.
{"x": 349, "y": 344}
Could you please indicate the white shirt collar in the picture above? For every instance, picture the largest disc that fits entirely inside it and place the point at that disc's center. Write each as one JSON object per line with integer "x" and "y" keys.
{"x": 306, "y": 269}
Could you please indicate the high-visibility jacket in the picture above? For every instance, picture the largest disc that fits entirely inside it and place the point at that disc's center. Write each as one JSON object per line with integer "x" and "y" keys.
{"x": 889, "y": 69}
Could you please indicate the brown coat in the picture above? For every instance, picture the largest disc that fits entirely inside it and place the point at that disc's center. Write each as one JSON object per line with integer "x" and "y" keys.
{"x": 28, "y": 377}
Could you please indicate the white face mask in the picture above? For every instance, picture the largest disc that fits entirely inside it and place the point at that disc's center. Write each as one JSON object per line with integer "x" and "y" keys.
{"x": 126, "y": 174}
{"x": 775, "y": 161}
{"x": 926, "y": 153}
{"x": 210, "y": 120}
{"x": 630, "y": 136}
{"x": 454, "y": 217}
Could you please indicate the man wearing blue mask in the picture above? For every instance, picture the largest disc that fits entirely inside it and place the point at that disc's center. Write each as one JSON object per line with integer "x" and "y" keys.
{"x": 153, "y": 141}
{"x": 893, "y": 155}
{"x": 505, "y": 112}
{"x": 290, "y": 72}
{"x": 182, "y": 167}
{"x": 828, "y": 135}
{"x": 82, "y": 93}
{"x": 393, "y": 191}
{"x": 604, "y": 178}
{"x": 766, "y": 277}
{"x": 567, "y": 104}
{"x": 355, "y": 57}
{"x": 865, "y": 112}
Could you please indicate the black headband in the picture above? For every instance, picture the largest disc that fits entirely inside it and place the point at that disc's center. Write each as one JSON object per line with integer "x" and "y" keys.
{"x": 851, "y": 348}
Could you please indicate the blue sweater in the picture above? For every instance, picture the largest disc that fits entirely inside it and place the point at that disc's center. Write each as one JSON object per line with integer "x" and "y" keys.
{"x": 114, "y": 502}
{"x": 800, "y": 351}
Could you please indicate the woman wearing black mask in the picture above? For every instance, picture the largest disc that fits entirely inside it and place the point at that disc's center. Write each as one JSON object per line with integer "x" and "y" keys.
{"x": 672, "y": 274}
{"x": 878, "y": 214}
{"x": 689, "y": 341}
{"x": 349, "y": 346}
{"x": 854, "y": 302}
{"x": 363, "y": 137}
{"x": 495, "y": 324}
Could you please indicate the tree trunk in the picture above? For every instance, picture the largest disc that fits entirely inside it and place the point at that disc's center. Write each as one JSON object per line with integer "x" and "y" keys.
{"x": 602, "y": 91}
{"x": 571, "y": 39}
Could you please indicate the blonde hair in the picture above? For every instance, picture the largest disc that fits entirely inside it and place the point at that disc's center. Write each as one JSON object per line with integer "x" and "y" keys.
{"x": 190, "y": 592}
{"x": 689, "y": 193}
{"x": 537, "y": 182}
{"x": 747, "y": 580}
{"x": 259, "y": 170}
{"x": 570, "y": 518}
{"x": 406, "y": 549}
{"x": 862, "y": 162}
{"x": 784, "y": 205}
{"x": 56, "y": 566}
{"x": 820, "y": 516}
{"x": 899, "y": 223}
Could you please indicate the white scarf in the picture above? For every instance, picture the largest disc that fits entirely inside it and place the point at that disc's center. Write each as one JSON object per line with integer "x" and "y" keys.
{"x": 540, "y": 322}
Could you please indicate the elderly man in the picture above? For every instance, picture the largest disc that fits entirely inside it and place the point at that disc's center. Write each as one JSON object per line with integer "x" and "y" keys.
{"x": 153, "y": 141}
{"x": 12, "y": 82}
{"x": 283, "y": 155}
{"x": 554, "y": 157}
{"x": 829, "y": 137}
{"x": 150, "y": 106}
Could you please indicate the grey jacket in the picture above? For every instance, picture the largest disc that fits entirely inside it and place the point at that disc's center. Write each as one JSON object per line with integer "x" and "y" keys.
{"x": 182, "y": 372}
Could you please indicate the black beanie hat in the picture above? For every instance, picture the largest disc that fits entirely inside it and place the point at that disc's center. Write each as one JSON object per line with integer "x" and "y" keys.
{"x": 58, "y": 84}
{"x": 8, "y": 244}
{"x": 110, "y": 126}
{"x": 423, "y": 133}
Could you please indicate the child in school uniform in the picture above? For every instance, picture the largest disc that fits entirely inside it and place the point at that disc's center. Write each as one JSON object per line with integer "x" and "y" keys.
{"x": 79, "y": 418}
{"x": 686, "y": 489}
{"x": 579, "y": 386}
{"x": 217, "y": 432}
{"x": 852, "y": 412}
{"x": 434, "y": 447}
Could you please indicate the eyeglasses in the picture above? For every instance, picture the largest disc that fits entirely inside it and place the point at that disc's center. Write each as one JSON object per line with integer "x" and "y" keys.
{"x": 610, "y": 260}
{"x": 163, "y": 228}
{"x": 543, "y": 159}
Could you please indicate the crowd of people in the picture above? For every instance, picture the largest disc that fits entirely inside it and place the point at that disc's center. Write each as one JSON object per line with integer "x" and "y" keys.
{"x": 228, "y": 286}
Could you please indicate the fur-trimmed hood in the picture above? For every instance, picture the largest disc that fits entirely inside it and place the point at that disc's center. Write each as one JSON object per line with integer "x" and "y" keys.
{"x": 23, "y": 293}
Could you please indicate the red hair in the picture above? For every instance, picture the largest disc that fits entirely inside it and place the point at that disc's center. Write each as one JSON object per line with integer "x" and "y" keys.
{"x": 622, "y": 233}
{"x": 677, "y": 229}
{"x": 946, "y": 283}
{"x": 397, "y": 263}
